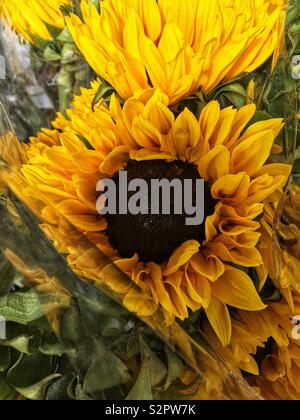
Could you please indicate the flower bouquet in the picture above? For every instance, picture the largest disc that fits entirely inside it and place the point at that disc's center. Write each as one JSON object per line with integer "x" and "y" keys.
{"x": 150, "y": 235}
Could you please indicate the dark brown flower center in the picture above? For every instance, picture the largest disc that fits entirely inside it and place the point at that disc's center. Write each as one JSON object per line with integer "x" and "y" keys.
{"x": 155, "y": 236}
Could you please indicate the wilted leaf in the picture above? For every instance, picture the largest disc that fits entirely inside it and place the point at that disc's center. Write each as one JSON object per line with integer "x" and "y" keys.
{"x": 6, "y": 391}
{"x": 157, "y": 369}
{"x": 70, "y": 326}
{"x": 142, "y": 390}
{"x": 25, "y": 373}
{"x": 152, "y": 373}
{"x": 81, "y": 395}
{"x": 7, "y": 275}
{"x": 106, "y": 371}
{"x": 58, "y": 390}
{"x": 133, "y": 347}
{"x": 175, "y": 368}
{"x": 37, "y": 391}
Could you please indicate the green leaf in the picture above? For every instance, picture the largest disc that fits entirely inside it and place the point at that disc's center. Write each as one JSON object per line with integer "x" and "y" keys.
{"x": 175, "y": 368}
{"x": 64, "y": 82}
{"x": 152, "y": 373}
{"x": 25, "y": 373}
{"x": 133, "y": 347}
{"x": 50, "y": 54}
{"x": 7, "y": 275}
{"x": 37, "y": 391}
{"x": 68, "y": 55}
{"x": 104, "y": 92}
{"x": 50, "y": 346}
{"x": 141, "y": 390}
{"x": 6, "y": 391}
{"x": 58, "y": 390}
{"x": 296, "y": 168}
{"x": 21, "y": 307}
{"x": 81, "y": 395}
{"x": 102, "y": 305}
{"x": 112, "y": 327}
{"x": 106, "y": 371}
{"x": 235, "y": 99}
{"x": 157, "y": 369}
{"x": 71, "y": 390}
{"x": 232, "y": 94}
{"x": 20, "y": 343}
{"x": 54, "y": 31}
{"x": 70, "y": 331}
{"x": 4, "y": 358}
{"x": 293, "y": 11}
{"x": 65, "y": 36}
{"x": 260, "y": 116}
{"x": 280, "y": 95}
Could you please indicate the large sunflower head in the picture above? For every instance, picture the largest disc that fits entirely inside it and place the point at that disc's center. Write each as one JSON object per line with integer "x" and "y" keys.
{"x": 178, "y": 46}
{"x": 33, "y": 18}
{"x": 183, "y": 268}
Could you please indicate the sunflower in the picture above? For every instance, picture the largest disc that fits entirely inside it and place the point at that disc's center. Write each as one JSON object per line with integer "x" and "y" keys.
{"x": 280, "y": 232}
{"x": 182, "y": 268}
{"x": 280, "y": 360}
{"x": 264, "y": 350}
{"x": 33, "y": 18}
{"x": 289, "y": 226}
{"x": 240, "y": 353}
{"x": 177, "y": 46}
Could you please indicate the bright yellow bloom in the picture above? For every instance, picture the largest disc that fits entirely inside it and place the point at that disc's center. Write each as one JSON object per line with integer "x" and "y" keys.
{"x": 202, "y": 271}
{"x": 31, "y": 17}
{"x": 239, "y": 354}
{"x": 280, "y": 367}
{"x": 266, "y": 345}
{"x": 178, "y": 46}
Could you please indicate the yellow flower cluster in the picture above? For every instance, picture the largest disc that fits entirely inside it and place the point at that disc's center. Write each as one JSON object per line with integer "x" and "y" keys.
{"x": 32, "y": 18}
{"x": 155, "y": 53}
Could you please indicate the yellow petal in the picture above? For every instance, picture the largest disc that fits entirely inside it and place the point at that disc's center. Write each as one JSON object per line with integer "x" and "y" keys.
{"x": 115, "y": 161}
{"x": 235, "y": 288}
{"x": 215, "y": 164}
{"x": 231, "y": 188}
{"x": 198, "y": 288}
{"x": 219, "y": 318}
{"x": 209, "y": 266}
{"x": 162, "y": 295}
{"x": 181, "y": 256}
{"x": 140, "y": 304}
{"x": 209, "y": 119}
{"x": 254, "y": 149}
{"x": 237, "y": 255}
{"x": 178, "y": 298}
{"x": 146, "y": 154}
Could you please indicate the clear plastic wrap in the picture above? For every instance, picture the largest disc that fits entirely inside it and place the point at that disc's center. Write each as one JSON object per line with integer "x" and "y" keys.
{"x": 96, "y": 332}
